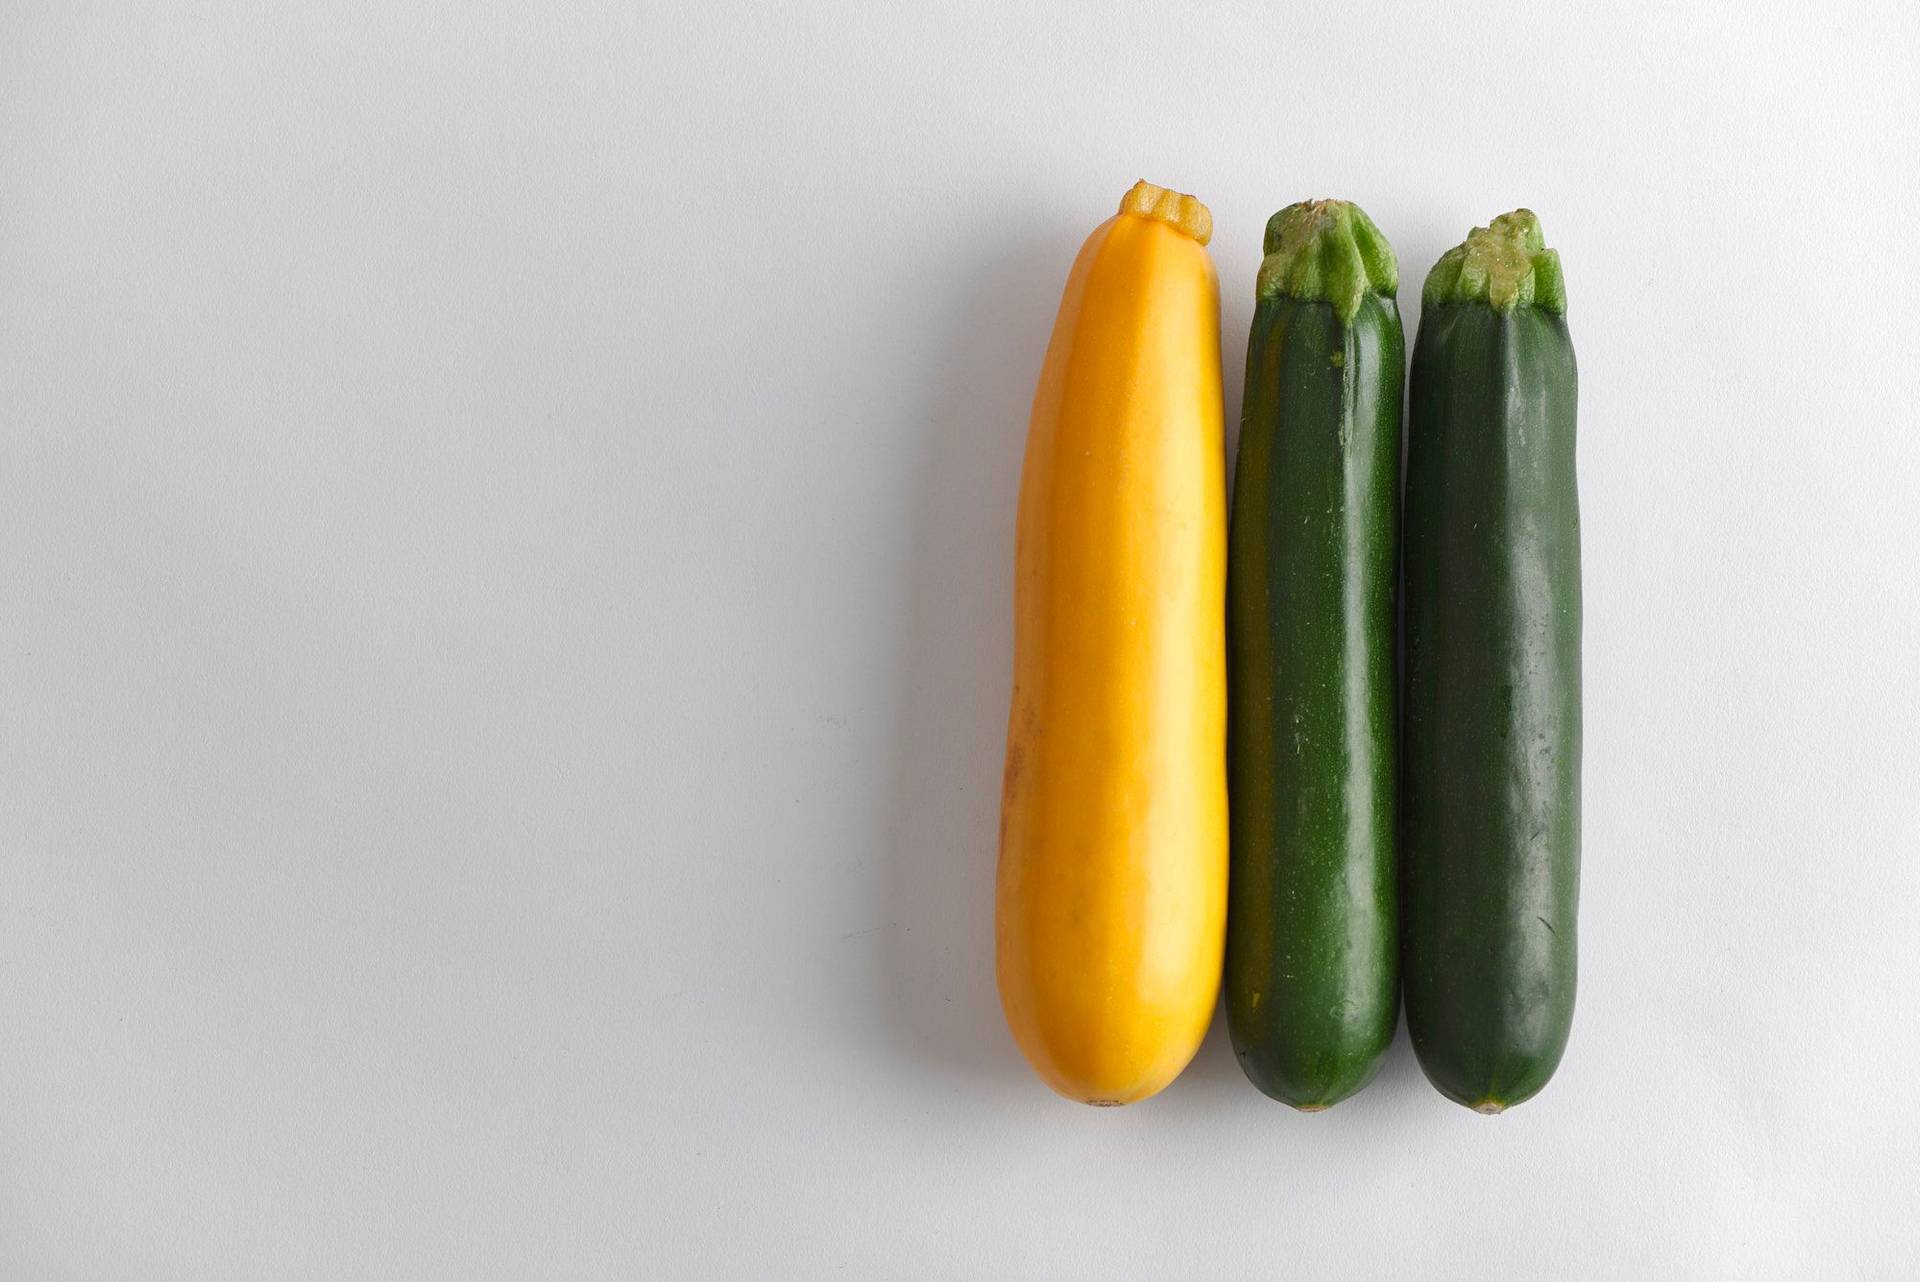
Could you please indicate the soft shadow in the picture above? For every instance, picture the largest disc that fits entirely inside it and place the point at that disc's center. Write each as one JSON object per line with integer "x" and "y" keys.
{"x": 949, "y": 736}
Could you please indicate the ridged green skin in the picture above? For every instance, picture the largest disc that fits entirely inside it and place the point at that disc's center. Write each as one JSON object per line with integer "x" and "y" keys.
{"x": 1312, "y": 956}
{"x": 1490, "y": 800}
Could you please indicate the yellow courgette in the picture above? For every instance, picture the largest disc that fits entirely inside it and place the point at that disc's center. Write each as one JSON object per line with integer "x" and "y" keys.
{"x": 1111, "y": 902}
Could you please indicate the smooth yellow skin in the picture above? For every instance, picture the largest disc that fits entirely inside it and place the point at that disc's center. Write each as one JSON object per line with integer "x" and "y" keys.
{"x": 1111, "y": 909}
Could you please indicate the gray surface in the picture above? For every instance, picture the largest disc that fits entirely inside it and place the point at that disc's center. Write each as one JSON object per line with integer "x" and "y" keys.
{"x": 505, "y": 536}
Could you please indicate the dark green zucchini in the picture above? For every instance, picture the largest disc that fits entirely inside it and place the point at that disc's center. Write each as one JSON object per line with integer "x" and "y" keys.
{"x": 1312, "y": 953}
{"x": 1490, "y": 799}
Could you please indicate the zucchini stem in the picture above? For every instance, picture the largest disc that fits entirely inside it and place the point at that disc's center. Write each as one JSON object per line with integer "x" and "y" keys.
{"x": 1177, "y": 210}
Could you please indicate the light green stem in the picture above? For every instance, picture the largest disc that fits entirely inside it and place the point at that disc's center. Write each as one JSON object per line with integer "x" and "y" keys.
{"x": 1327, "y": 251}
{"x": 1504, "y": 265}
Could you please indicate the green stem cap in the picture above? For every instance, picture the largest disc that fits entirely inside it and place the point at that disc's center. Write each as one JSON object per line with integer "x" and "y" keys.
{"x": 1504, "y": 265}
{"x": 1326, "y": 251}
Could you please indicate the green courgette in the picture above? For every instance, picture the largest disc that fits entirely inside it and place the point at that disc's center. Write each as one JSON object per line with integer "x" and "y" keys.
{"x": 1312, "y": 954}
{"x": 1490, "y": 799}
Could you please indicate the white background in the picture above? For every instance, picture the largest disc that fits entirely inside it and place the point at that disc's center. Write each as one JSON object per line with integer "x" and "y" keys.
{"x": 505, "y": 550}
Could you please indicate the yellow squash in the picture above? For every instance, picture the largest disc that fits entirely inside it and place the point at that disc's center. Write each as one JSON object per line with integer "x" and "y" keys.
{"x": 1111, "y": 906}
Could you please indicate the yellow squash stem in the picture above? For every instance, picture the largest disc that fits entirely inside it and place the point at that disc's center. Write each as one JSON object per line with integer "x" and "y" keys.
{"x": 1111, "y": 903}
